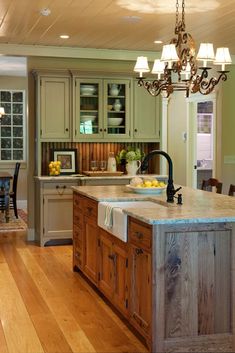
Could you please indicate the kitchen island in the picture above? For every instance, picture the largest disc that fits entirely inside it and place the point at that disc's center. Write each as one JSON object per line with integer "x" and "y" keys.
{"x": 174, "y": 277}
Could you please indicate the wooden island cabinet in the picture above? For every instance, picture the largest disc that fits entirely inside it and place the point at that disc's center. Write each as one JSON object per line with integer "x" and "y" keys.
{"x": 174, "y": 278}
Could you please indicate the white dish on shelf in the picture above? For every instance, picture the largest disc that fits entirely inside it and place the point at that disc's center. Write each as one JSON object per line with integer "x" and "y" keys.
{"x": 87, "y": 90}
{"x": 115, "y": 121}
{"x": 85, "y": 118}
{"x": 152, "y": 190}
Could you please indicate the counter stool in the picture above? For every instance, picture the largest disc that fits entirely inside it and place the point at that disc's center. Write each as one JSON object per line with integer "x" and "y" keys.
{"x": 231, "y": 190}
{"x": 208, "y": 184}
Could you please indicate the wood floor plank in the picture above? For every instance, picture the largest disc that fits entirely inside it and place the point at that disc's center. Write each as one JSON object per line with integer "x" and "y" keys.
{"x": 15, "y": 317}
{"x": 68, "y": 325}
{"x": 3, "y": 343}
{"x": 65, "y": 312}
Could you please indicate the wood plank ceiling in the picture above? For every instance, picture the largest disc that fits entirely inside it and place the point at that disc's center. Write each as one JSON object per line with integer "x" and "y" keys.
{"x": 105, "y": 24}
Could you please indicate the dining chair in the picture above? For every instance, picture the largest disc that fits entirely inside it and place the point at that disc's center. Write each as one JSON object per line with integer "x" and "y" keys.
{"x": 231, "y": 191}
{"x": 208, "y": 184}
{"x": 13, "y": 192}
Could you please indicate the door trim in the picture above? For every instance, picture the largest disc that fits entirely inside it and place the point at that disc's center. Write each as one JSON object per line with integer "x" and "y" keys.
{"x": 191, "y": 135}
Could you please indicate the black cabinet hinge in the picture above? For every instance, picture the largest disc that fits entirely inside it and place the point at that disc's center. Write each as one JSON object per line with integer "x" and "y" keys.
{"x": 99, "y": 276}
{"x": 126, "y": 303}
{"x": 126, "y": 262}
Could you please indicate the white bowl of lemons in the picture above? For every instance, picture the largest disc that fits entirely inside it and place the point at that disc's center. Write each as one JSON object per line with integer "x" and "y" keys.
{"x": 146, "y": 186}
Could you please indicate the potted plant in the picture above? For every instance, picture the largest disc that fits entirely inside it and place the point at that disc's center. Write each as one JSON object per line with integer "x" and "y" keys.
{"x": 131, "y": 158}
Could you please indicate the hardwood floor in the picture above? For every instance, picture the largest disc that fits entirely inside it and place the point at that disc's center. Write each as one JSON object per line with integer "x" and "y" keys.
{"x": 46, "y": 307}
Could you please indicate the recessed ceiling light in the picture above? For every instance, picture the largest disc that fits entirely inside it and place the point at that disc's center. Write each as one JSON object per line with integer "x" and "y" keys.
{"x": 158, "y": 41}
{"x": 45, "y": 12}
{"x": 64, "y": 36}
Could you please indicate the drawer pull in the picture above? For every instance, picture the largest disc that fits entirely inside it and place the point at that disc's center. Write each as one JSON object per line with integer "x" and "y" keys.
{"x": 139, "y": 235}
{"x": 112, "y": 257}
{"x": 139, "y": 251}
{"x": 78, "y": 254}
{"x": 58, "y": 187}
{"x": 89, "y": 210}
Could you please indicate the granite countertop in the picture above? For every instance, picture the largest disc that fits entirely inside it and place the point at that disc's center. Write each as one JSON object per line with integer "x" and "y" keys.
{"x": 198, "y": 206}
{"x": 85, "y": 177}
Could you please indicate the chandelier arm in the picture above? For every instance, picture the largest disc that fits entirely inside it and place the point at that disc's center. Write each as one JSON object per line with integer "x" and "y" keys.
{"x": 207, "y": 87}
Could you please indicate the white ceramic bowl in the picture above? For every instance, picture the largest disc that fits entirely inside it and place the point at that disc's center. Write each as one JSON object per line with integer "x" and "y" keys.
{"x": 85, "y": 118}
{"x": 115, "y": 121}
{"x": 87, "y": 90}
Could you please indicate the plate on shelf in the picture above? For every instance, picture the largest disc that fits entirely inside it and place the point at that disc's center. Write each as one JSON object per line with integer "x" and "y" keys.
{"x": 146, "y": 190}
{"x": 85, "y": 118}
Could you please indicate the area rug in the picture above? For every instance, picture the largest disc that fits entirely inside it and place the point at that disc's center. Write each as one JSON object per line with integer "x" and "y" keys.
{"x": 14, "y": 224}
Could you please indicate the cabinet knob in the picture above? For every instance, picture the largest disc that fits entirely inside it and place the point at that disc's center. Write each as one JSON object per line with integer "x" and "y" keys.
{"x": 135, "y": 130}
{"x": 139, "y": 251}
{"x": 139, "y": 235}
{"x": 101, "y": 130}
{"x": 105, "y": 130}
{"x": 66, "y": 129}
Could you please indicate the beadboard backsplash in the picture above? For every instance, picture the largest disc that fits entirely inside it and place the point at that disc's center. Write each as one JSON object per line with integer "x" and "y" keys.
{"x": 95, "y": 151}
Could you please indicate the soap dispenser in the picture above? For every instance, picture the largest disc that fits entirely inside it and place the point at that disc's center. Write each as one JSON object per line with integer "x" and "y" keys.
{"x": 112, "y": 165}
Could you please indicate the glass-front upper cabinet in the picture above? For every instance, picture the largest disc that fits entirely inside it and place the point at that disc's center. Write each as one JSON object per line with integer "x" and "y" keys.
{"x": 117, "y": 108}
{"x": 88, "y": 109}
{"x": 101, "y": 109}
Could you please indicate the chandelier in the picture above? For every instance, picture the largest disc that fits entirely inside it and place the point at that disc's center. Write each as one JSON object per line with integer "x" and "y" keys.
{"x": 178, "y": 69}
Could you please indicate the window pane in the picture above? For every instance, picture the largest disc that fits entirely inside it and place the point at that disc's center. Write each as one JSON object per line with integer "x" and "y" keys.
{"x": 5, "y": 96}
{"x": 17, "y": 97}
{"x": 6, "y": 143}
{"x": 17, "y": 131}
{"x": 17, "y": 143}
{"x": 17, "y": 120}
{"x": 6, "y": 155}
{"x": 18, "y": 154}
{"x": 17, "y": 108}
{"x": 6, "y": 120}
{"x": 6, "y": 131}
{"x": 7, "y": 107}
{"x": 12, "y": 125}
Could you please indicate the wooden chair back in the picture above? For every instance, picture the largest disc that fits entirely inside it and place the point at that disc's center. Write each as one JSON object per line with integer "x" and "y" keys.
{"x": 208, "y": 184}
{"x": 231, "y": 190}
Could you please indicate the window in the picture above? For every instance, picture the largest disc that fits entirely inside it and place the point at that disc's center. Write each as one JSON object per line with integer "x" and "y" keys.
{"x": 12, "y": 125}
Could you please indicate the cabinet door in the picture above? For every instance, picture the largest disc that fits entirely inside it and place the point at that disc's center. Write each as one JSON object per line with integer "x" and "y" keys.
{"x": 117, "y": 109}
{"x": 88, "y": 119}
{"x": 90, "y": 245}
{"x": 57, "y": 217}
{"x": 106, "y": 264}
{"x": 120, "y": 276}
{"x": 55, "y": 109}
{"x": 140, "y": 289}
{"x": 147, "y": 113}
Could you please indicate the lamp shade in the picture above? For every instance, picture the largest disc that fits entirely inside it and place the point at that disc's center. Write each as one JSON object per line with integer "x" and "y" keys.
{"x": 206, "y": 52}
{"x": 141, "y": 64}
{"x": 222, "y": 56}
{"x": 158, "y": 67}
{"x": 169, "y": 53}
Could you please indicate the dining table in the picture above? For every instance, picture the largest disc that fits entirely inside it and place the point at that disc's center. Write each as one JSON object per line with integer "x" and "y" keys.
{"x": 5, "y": 179}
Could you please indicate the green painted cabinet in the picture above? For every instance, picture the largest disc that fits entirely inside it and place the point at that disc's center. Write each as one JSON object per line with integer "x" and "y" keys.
{"x": 146, "y": 115}
{"x": 101, "y": 109}
{"x": 54, "y": 108}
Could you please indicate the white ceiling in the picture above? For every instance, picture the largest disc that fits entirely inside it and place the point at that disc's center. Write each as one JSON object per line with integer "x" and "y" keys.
{"x": 112, "y": 24}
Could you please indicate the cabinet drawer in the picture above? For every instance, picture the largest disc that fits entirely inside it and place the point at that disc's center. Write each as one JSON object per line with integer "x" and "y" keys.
{"x": 78, "y": 202}
{"x": 58, "y": 188}
{"x": 77, "y": 232}
{"x": 140, "y": 234}
{"x": 78, "y": 218}
{"x": 90, "y": 208}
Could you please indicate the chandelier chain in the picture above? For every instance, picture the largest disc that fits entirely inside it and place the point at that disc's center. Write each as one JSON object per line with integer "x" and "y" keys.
{"x": 183, "y": 13}
{"x": 177, "y": 14}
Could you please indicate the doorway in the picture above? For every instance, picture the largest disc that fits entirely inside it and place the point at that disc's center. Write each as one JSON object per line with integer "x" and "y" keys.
{"x": 201, "y": 140}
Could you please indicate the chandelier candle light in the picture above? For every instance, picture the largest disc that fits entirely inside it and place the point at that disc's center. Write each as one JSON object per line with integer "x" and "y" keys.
{"x": 178, "y": 59}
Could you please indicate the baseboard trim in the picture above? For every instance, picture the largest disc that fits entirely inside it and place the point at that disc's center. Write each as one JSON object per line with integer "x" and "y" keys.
{"x": 30, "y": 234}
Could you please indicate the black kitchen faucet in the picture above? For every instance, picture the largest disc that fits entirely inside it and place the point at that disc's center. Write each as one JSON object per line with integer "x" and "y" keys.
{"x": 170, "y": 190}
